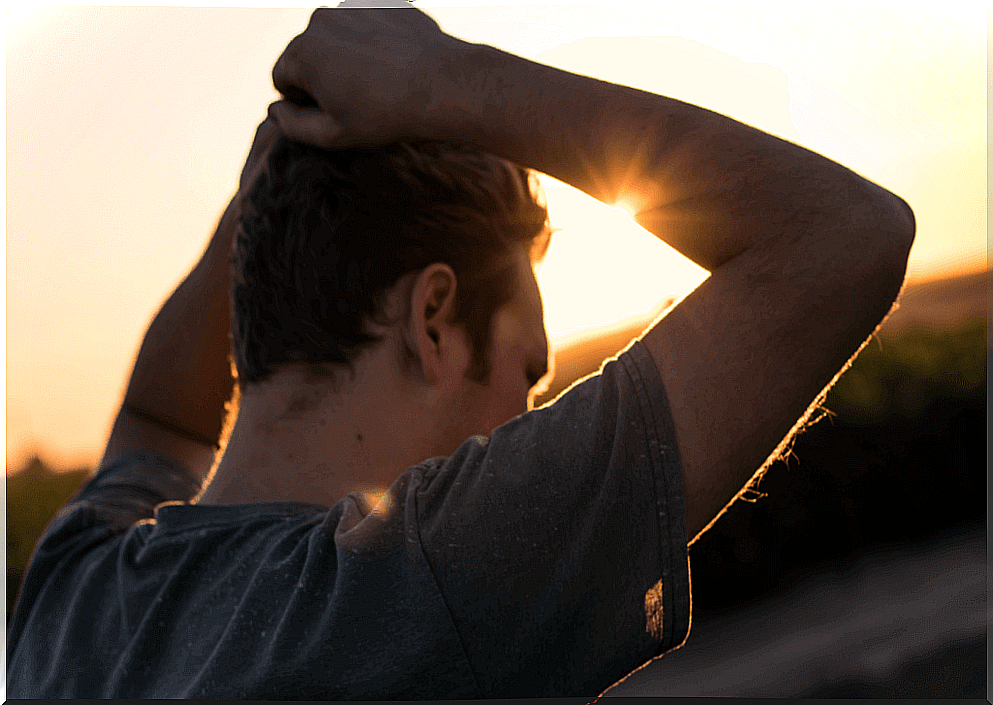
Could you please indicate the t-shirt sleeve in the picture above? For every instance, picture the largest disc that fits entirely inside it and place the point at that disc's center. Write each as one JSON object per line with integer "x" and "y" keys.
{"x": 129, "y": 489}
{"x": 559, "y": 543}
{"x": 119, "y": 495}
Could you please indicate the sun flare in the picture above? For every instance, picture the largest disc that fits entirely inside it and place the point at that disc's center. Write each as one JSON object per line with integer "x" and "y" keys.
{"x": 603, "y": 267}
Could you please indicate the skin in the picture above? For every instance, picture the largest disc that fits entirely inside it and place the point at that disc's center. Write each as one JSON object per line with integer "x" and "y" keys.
{"x": 364, "y": 430}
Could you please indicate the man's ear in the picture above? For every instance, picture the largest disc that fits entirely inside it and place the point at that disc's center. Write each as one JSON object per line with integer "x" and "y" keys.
{"x": 440, "y": 345}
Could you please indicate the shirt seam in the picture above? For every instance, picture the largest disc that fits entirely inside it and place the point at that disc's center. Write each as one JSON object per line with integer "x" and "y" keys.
{"x": 664, "y": 455}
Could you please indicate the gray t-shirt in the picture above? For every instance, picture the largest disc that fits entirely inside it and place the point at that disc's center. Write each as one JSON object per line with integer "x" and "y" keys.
{"x": 547, "y": 560}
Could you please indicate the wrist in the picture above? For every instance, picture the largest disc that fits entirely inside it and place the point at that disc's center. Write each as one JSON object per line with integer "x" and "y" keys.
{"x": 534, "y": 115}
{"x": 466, "y": 96}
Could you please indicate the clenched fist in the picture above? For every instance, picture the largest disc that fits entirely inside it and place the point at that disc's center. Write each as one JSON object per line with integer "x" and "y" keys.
{"x": 363, "y": 77}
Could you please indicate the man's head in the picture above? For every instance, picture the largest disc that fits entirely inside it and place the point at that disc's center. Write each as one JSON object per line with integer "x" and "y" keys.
{"x": 328, "y": 237}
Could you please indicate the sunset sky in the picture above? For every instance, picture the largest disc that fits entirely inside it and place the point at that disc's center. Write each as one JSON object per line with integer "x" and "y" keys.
{"x": 126, "y": 129}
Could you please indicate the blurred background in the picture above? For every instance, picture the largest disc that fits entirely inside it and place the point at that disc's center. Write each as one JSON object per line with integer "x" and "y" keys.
{"x": 860, "y": 573}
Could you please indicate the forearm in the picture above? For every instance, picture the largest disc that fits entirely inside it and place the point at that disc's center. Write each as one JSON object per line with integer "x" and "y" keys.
{"x": 182, "y": 375}
{"x": 709, "y": 186}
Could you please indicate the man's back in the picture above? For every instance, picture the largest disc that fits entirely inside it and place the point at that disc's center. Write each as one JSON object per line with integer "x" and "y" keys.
{"x": 497, "y": 572}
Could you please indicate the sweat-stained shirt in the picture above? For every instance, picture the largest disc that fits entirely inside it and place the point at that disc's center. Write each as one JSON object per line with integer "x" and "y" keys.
{"x": 547, "y": 560}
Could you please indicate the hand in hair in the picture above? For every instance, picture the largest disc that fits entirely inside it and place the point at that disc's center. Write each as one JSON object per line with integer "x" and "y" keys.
{"x": 361, "y": 77}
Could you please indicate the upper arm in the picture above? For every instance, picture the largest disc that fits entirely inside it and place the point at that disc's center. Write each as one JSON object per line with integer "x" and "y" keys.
{"x": 134, "y": 431}
{"x": 745, "y": 355}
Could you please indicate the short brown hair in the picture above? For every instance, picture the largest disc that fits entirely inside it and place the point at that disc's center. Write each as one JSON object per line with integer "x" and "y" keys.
{"x": 326, "y": 233}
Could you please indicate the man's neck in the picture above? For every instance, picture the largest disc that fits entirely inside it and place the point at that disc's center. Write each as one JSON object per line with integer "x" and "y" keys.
{"x": 315, "y": 460}
{"x": 339, "y": 443}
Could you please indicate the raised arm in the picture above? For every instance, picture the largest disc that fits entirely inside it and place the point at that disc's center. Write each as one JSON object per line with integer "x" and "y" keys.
{"x": 806, "y": 257}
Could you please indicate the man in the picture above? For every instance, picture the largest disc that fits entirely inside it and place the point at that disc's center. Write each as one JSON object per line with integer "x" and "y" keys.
{"x": 516, "y": 553}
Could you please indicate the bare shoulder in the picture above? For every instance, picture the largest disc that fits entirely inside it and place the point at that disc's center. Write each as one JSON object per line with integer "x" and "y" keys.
{"x": 745, "y": 355}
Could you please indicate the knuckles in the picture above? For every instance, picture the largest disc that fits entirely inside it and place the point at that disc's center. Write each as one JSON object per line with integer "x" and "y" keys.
{"x": 318, "y": 16}
{"x": 294, "y": 72}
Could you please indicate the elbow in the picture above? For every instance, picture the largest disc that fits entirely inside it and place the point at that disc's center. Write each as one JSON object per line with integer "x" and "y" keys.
{"x": 885, "y": 213}
{"x": 900, "y": 230}
{"x": 903, "y": 222}
{"x": 888, "y": 227}
{"x": 880, "y": 235}
{"x": 893, "y": 231}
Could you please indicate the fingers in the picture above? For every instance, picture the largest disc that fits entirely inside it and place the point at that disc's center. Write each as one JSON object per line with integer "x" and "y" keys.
{"x": 346, "y": 81}
{"x": 303, "y": 124}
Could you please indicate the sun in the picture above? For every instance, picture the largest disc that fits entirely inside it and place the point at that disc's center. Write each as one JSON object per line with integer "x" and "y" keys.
{"x": 602, "y": 266}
